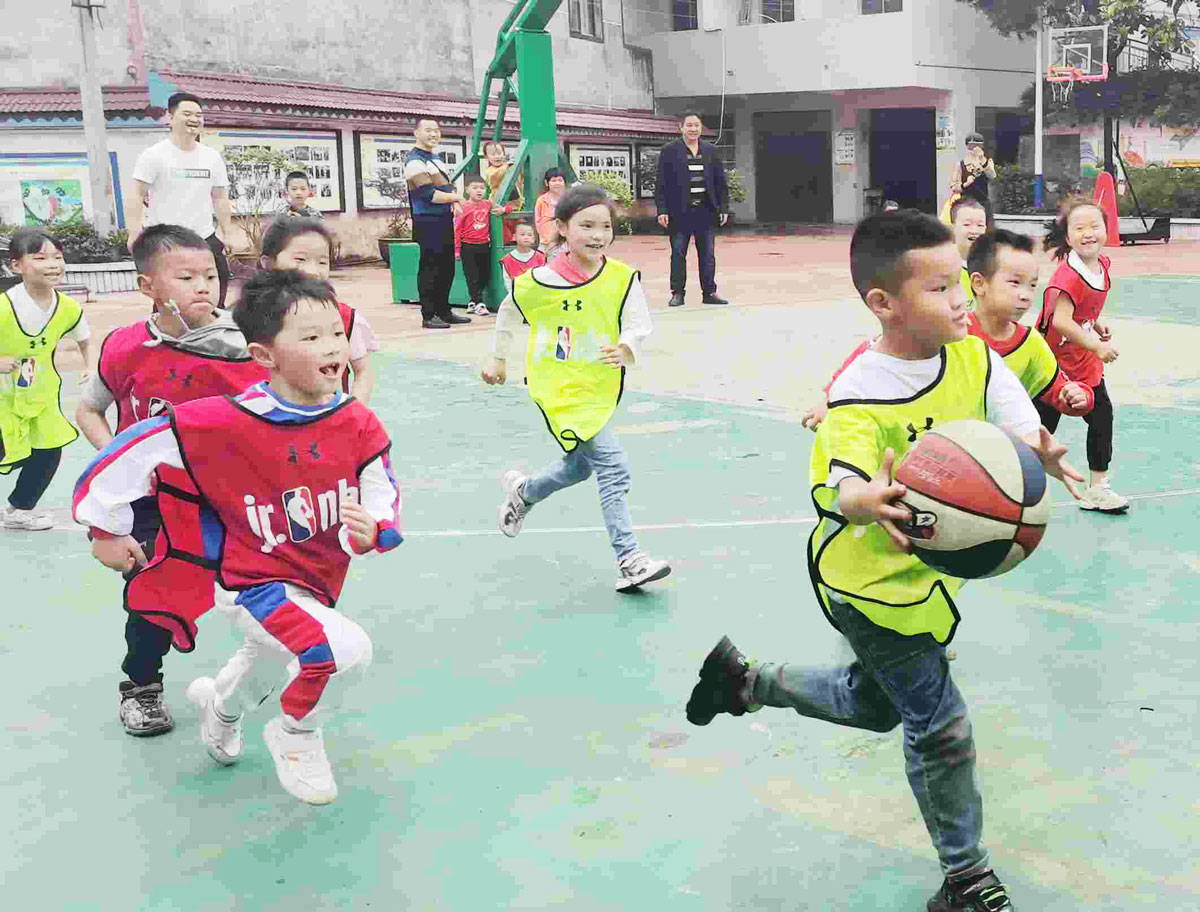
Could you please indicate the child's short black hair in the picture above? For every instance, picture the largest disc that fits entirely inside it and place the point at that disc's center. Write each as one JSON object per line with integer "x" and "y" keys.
{"x": 179, "y": 98}
{"x": 159, "y": 239}
{"x": 295, "y": 175}
{"x": 880, "y": 242}
{"x": 552, "y": 173}
{"x": 528, "y": 225}
{"x": 474, "y": 179}
{"x": 283, "y": 230}
{"x": 582, "y": 196}
{"x": 1056, "y": 231}
{"x": 965, "y": 202}
{"x": 982, "y": 258}
{"x": 269, "y": 295}
{"x": 696, "y": 114}
{"x": 29, "y": 240}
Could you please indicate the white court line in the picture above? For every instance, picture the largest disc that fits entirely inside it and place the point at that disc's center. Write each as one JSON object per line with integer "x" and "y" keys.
{"x": 660, "y": 527}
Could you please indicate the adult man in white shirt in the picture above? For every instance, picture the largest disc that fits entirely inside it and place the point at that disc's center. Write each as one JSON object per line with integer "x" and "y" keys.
{"x": 181, "y": 182}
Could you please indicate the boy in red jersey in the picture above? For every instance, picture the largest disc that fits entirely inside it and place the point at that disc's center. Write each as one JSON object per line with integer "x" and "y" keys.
{"x": 188, "y": 349}
{"x": 293, "y": 477}
{"x": 473, "y": 241}
{"x": 525, "y": 257}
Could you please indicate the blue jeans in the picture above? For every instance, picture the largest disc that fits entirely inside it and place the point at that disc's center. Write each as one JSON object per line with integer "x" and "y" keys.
{"x": 895, "y": 680}
{"x": 699, "y": 223}
{"x": 604, "y": 456}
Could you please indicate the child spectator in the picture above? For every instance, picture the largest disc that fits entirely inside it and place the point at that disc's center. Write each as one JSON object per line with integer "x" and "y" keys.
{"x": 473, "y": 237}
{"x": 1070, "y": 321}
{"x": 297, "y": 192}
{"x": 495, "y": 170}
{"x": 295, "y": 479}
{"x": 308, "y": 246}
{"x": 34, "y": 318}
{"x": 897, "y": 613}
{"x": 526, "y": 256}
{"x": 575, "y": 369}
{"x": 544, "y": 213}
{"x": 188, "y": 349}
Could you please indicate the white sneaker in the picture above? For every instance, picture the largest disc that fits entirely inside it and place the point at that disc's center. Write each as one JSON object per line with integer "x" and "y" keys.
{"x": 639, "y": 568}
{"x": 1103, "y": 498}
{"x": 514, "y": 508}
{"x": 481, "y": 310}
{"x": 223, "y": 740}
{"x": 26, "y": 520}
{"x": 300, "y": 762}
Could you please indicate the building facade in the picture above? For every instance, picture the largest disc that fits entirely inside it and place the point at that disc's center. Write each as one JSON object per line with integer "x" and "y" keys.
{"x": 335, "y": 89}
{"x": 829, "y": 104}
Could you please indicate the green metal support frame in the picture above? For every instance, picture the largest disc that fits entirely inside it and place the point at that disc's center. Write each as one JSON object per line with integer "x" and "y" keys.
{"x": 523, "y": 49}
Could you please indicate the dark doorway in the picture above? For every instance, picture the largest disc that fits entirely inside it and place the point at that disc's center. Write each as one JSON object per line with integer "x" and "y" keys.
{"x": 903, "y": 157}
{"x": 1009, "y": 127}
{"x": 793, "y": 166}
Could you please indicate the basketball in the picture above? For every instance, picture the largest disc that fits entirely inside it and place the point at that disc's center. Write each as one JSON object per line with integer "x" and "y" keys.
{"x": 978, "y": 496}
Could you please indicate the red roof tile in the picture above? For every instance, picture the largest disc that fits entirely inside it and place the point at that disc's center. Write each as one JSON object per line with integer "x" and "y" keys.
{"x": 67, "y": 99}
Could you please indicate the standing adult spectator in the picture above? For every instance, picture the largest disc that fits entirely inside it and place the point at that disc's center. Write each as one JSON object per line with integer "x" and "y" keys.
{"x": 186, "y": 184}
{"x": 973, "y": 174}
{"x": 692, "y": 195}
{"x": 435, "y": 202}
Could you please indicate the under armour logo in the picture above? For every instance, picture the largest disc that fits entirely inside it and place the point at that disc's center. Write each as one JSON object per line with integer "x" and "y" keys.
{"x": 185, "y": 381}
{"x": 34, "y": 343}
{"x": 293, "y": 456}
{"x": 567, "y": 305}
{"x": 312, "y": 450}
{"x": 913, "y": 432}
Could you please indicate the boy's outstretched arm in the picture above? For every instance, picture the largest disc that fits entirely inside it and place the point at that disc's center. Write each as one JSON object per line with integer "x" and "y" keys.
{"x": 1051, "y": 453}
{"x": 120, "y": 474}
{"x": 864, "y": 502}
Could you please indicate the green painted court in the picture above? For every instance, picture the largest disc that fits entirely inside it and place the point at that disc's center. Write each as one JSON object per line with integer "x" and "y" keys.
{"x": 519, "y": 742}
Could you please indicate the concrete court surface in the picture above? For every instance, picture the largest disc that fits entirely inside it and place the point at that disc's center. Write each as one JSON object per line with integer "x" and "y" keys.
{"x": 520, "y": 741}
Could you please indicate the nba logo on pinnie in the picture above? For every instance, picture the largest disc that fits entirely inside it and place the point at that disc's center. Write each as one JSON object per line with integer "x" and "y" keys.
{"x": 301, "y": 515}
{"x": 566, "y": 338}
{"x": 26, "y": 373}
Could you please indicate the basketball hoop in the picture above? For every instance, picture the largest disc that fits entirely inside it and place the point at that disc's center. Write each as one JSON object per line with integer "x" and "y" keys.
{"x": 1062, "y": 80}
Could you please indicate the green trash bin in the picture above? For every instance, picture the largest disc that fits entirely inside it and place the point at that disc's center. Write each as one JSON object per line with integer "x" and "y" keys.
{"x": 403, "y": 259}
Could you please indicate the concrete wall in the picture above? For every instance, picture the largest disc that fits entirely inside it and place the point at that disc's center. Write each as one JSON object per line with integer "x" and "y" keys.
{"x": 40, "y": 44}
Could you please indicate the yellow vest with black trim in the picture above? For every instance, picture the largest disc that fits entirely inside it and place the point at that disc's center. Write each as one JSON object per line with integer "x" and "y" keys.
{"x": 30, "y": 413}
{"x": 964, "y": 279}
{"x": 859, "y": 565}
{"x": 576, "y": 392}
{"x": 1033, "y": 362}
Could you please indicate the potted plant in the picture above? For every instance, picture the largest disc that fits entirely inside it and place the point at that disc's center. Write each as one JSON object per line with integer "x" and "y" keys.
{"x": 398, "y": 229}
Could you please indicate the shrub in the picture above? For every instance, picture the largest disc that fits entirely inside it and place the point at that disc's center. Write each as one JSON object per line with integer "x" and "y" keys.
{"x": 1163, "y": 191}
{"x": 618, "y": 188}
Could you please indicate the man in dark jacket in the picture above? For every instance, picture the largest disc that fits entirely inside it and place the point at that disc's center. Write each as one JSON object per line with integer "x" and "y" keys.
{"x": 692, "y": 196}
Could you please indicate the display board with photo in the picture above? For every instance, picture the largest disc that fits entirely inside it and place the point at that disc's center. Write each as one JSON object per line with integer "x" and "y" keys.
{"x": 381, "y": 167}
{"x": 587, "y": 161}
{"x": 647, "y": 169}
{"x": 255, "y": 186}
{"x": 45, "y": 188}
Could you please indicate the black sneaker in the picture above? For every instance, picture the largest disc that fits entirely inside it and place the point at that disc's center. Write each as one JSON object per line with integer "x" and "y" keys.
{"x": 713, "y": 299}
{"x": 454, "y": 319}
{"x": 142, "y": 709}
{"x": 980, "y": 894}
{"x": 722, "y": 677}
{"x": 435, "y": 323}
{"x": 677, "y": 299}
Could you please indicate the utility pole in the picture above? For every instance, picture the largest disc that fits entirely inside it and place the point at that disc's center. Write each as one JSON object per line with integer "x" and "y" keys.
{"x": 99, "y": 169}
{"x": 1039, "y": 183}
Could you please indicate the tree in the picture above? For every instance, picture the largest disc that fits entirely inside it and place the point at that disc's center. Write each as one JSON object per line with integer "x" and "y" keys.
{"x": 1158, "y": 89}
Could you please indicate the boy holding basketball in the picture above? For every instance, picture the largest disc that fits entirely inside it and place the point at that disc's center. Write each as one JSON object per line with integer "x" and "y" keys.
{"x": 897, "y": 613}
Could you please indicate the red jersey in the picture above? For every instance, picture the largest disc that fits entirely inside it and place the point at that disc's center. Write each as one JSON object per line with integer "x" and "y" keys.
{"x": 1077, "y": 363}
{"x": 144, "y": 380}
{"x": 514, "y": 267}
{"x": 277, "y": 488}
{"x": 347, "y": 314}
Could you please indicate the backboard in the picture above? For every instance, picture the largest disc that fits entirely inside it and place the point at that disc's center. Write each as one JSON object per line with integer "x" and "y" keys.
{"x": 1082, "y": 49}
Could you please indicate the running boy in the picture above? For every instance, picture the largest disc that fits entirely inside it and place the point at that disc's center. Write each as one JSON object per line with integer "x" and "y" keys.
{"x": 296, "y": 193}
{"x": 897, "y": 613}
{"x": 34, "y": 319}
{"x": 188, "y": 349}
{"x": 473, "y": 237}
{"x": 308, "y": 246}
{"x": 1070, "y": 321}
{"x": 968, "y": 221}
{"x": 295, "y": 478}
{"x": 587, "y": 315}
{"x": 526, "y": 256}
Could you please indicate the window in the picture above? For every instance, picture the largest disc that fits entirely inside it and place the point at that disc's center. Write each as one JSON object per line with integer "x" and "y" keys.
{"x": 778, "y": 10}
{"x": 881, "y": 6}
{"x": 683, "y": 15}
{"x": 586, "y": 19}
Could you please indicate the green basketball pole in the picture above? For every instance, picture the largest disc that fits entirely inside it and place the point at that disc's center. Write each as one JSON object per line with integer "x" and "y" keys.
{"x": 522, "y": 49}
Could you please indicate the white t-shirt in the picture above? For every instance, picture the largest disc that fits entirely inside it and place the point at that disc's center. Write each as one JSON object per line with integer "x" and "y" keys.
{"x": 873, "y": 375}
{"x": 181, "y": 185}
{"x": 33, "y": 319}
